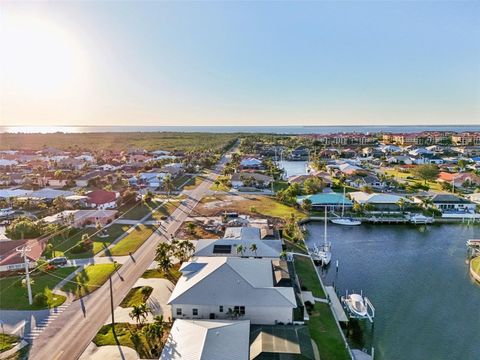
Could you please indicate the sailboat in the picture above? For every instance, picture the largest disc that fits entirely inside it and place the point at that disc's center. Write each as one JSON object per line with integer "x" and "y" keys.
{"x": 344, "y": 220}
{"x": 322, "y": 254}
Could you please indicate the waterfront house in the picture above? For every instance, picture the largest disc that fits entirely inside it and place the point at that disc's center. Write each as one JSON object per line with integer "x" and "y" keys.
{"x": 458, "y": 179}
{"x": 449, "y": 203}
{"x": 380, "y": 202}
{"x": 332, "y": 200}
{"x": 232, "y": 287}
{"x": 251, "y": 163}
{"x": 208, "y": 339}
{"x": 360, "y": 180}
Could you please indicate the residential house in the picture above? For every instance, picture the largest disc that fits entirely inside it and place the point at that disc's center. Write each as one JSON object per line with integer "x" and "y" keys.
{"x": 174, "y": 169}
{"x": 208, "y": 339}
{"x": 371, "y": 180}
{"x": 380, "y": 202}
{"x": 83, "y": 181}
{"x": 80, "y": 218}
{"x": 226, "y": 287}
{"x": 12, "y": 260}
{"x": 458, "y": 179}
{"x": 251, "y": 163}
{"x": 333, "y": 201}
{"x": 400, "y": 159}
{"x": 449, "y": 203}
{"x": 248, "y": 179}
{"x": 102, "y": 199}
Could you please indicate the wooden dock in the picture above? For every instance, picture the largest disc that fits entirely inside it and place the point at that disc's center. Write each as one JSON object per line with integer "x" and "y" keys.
{"x": 336, "y": 305}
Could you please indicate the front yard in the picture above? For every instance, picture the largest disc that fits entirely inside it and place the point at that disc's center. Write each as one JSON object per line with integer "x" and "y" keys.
{"x": 131, "y": 242}
{"x": 71, "y": 245}
{"x": 139, "y": 211}
{"x": 13, "y": 295}
{"x": 89, "y": 279}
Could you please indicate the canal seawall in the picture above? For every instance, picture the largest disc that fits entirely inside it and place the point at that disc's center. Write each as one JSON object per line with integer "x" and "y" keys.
{"x": 475, "y": 268}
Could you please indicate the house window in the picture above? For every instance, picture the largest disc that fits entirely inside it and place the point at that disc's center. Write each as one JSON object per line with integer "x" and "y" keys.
{"x": 195, "y": 312}
{"x": 239, "y": 310}
{"x": 220, "y": 308}
{"x": 179, "y": 311}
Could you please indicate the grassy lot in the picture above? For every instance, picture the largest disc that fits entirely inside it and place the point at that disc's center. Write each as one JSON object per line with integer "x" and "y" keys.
{"x": 138, "y": 212}
{"x": 308, "y": 276}
{"x": 476, "y": 265}
{"x": 131, "y": 242}
{"x": 64, "y": 247}
{"x": 178, "y": 182}
{"x": 433, "y": 185}
{"x": 123, "y": 336}
{"x": 173, "y": 275}
{"x": 194, "y": 182}
{"x": 325, "y": 333}
{"x": 8, "y": 341}
{"x": 136, "y": 297}
{"x": 221, "y": 186}
{"x": 14, "y": 296}
{"x": 253, "y": 205}
{"x": 89, "y": 279}
{"x": 165, "y": 210}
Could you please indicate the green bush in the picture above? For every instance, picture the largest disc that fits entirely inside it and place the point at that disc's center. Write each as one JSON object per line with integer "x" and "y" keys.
{"x": 40, "y": 299}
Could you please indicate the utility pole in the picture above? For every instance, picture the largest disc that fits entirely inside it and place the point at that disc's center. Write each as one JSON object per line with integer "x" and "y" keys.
{"x": 24, "y": 251}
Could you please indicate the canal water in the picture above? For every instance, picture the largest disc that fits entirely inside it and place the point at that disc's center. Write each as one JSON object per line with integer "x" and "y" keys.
{"x": 293, "y": 168}
{"x": 427, "y": 304}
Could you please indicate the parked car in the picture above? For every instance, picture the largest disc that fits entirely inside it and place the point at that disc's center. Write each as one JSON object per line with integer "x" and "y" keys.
{"x": 58, "y": 261}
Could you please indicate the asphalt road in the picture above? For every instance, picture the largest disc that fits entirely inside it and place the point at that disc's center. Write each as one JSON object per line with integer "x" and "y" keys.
{"x": 69, "y": 335}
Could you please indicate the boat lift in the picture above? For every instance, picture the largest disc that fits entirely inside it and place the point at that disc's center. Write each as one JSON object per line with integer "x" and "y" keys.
{"x": 369, "y": 308}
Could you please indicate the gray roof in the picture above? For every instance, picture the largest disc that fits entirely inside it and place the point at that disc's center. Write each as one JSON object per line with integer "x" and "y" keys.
{"x": 447, "y": 198}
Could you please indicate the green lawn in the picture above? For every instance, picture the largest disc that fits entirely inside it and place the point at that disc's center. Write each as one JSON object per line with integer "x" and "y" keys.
{"x": 179, "y": 181}
{"x": 14, "y": 296}
{"x": 433, "y": 185}
{"x": 298, "y": 247}
{"x": 324, "y": 331}
{"x": 475, "y": 263}
{"x": 8, "y": 341}
{"x": 131, "y": 242}
{"x": 123, "y": 336}
{"x": 308, "y": 276}
{"x": 138, "y": 212}
{"x": 136, "y": 297}
{"x": 65, "y": 247}
{"x": 89, "y": 279}
{"x": 194, "y": 182}
{"x": 280, "y": 185}
{"x": 165, "y": 210}
{"x": 173, "y": 275}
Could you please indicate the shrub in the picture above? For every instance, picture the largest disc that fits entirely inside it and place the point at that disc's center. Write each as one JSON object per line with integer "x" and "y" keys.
{"x": 40, "y": 299}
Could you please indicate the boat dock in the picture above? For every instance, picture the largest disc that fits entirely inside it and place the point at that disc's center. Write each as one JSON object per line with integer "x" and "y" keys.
{"x": 387, "y": 220}
{"x": 336, "y": 305}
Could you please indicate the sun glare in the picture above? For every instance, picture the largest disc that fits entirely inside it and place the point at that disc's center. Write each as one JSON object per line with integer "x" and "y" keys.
{"x": 39, "y": 58}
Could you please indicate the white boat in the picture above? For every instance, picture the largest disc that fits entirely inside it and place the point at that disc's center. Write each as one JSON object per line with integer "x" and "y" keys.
{"x": 6, "y": 212}
{"x": 346, "y": 221}
{"x": 421, "y": 219}
{"x": 356, "y": 305}
{"x": 322, "y": 254}
{"x": 342, "y": 220}
{"x": 473, "y": 243}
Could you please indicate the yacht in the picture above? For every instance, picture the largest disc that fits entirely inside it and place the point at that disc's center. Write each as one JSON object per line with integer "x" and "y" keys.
{"x": 342, "y": 220}
{"x": 322, "y": 254}
{"x": 356, "y": 305}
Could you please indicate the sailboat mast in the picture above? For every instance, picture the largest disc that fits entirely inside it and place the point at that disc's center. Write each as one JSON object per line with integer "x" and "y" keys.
{"x": 343, "y": 202}
{"x": 325, "y": 230}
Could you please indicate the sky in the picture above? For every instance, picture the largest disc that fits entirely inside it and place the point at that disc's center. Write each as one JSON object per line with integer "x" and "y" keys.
{"x": 239, "y": 63}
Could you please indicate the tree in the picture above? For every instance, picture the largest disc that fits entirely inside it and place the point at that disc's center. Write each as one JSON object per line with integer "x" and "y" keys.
{"x": 307, "y": 205}
{"x": 357, "y": 208}
{"x": 401, "y": 203}
{"x": 61, "y": 204}
{"x": 145, "y": 291}
{"x": 426, "y": 172}
{"x": 240, "y": 249}
{"x": 312, "y": 185}
{"x": 462, "y": 163}
{"x": 191, "y": 227}
{"x": 185, "y": 249}
{"x": 253, "y": 248}
{"x": 139, "y": 313}
{"x": 129, "y": 196}
{"x": 24, "y": 228}
{"x": 168, "y": 185}
{"x": 154, "y": 332}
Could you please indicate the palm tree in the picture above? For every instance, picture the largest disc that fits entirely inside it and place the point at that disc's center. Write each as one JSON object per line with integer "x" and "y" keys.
{"x": 401, "y": 203}
{"x": 240, "y": 249}
{"x": 139, "y": 313}
{"x": 185, "y": 249}
{"x": 254, "y": 248}
{"x": 168, "y": 185}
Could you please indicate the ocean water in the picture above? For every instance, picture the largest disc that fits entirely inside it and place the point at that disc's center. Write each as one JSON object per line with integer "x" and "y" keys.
{"x": 236, "y": 129}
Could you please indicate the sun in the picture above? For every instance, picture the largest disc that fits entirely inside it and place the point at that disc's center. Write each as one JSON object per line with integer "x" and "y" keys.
{"x": 39, "y": 58}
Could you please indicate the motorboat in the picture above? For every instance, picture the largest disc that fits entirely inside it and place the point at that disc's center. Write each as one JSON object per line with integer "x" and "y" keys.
{"x": 342, "y": 220}
{"x": 473, "y": 243}
{"x": 356, "y": 305}
{"x": 420, "y": 219}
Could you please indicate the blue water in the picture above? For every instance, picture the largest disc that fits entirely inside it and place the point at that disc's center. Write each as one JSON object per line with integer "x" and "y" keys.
{"x": 427, "y": 304}
{"x": 236, "y": 129}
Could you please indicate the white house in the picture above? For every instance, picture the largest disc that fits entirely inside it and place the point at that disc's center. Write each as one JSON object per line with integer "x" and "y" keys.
{"x": 208, "y": 339}
{"x": 251, "y": 163}
{"x": 382, "y": 202}
{"x": 242, "y": 179}
{"x": 232, "y": 287}
{"x": 452, "y": 203}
